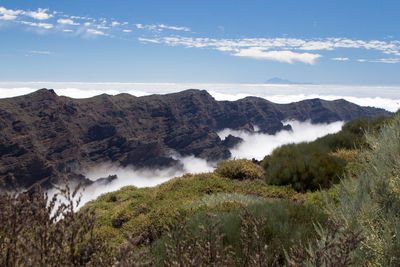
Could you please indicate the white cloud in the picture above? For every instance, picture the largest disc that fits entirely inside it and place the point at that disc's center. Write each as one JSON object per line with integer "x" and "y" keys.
{"x": 9, "y": 14}
{"x": 161, "y": 27}
{"x": 96, "y": 32}
{"x": 175, "y": 28}
{"x": 87, "y": 24}
{"x": 41, "y": 52}
{"x": 254, "y": 146}
{"x": 40, "y": 14}
{"x": 67, "y": 22}
{"x": 127, "y": 30}
{"x": 340, "y": 58}
{"x": 115, "y": 23}
{"x": 258, "y": 145}
{"x": 387, "y": 60}
{"x": 138, "y": 177}
{"x": 39, "y": 25}
{"x": 381, "y": 60}
{"x": 102, "y": 27}
{"x": 259, "y": 46}
{"x": 67, "y": 30}
{"x": 146, "y": 27}
{"x": 148, "y": 40}
{"x": 281, "y": 56}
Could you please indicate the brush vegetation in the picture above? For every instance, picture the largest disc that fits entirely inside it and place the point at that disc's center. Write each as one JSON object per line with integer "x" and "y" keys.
{"x": 318, "y": 164}
{"x": 332, "y": 202}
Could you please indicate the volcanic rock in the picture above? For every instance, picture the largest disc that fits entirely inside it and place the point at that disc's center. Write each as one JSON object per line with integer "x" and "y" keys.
{"x": 46, "y": 137}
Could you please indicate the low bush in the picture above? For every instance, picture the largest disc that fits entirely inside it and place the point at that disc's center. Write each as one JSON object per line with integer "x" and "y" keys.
{"x": 34, "y": 231}
{"x": 253, "y": 236}
{"x": 240, "y": 169}
{"x": 370, "y": 202}
{"x": 352, "y": 134}
{"x": 319, "y": 164}
{"x": 304, "y": 166}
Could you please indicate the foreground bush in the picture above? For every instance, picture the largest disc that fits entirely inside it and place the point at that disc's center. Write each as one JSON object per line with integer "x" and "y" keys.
{"x": 240, "y": 169}
{"x": 36, "y": 232}
{"x": 370, "y": 203}
{"x": 256, "y": 235}
{"x": 319, "y": 164}
{"x": 352, "y": 134}
{"x": 305, "y": 166}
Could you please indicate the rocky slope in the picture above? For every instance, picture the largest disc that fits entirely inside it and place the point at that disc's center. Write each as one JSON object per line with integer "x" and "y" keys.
{"x": 45, "y": 136}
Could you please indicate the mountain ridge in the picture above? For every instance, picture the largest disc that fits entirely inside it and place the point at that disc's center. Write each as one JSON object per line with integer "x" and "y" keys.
{"x": 46, "y": 136}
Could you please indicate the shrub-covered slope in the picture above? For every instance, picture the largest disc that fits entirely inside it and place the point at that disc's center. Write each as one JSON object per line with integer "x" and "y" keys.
{"x": 230, "y": 217}
{"x": 321, "y": 163}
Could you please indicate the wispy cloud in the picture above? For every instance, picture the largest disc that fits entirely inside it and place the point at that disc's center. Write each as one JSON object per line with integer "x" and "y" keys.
{"x": 281, "y": 49}
{"x": 46, "y": 26}
{"x": 340, "y": 58}
{"x": 40, "y": 14}
{"x": 281, "y": 56}
{"x": 381, "y": 60}
{"x": 40, "y": 52}
{"x": 87, "y": 25}
{"x": 392, "y": 47}
{"x": 67, "y": 22}
{"x": 175, "y": 28}
{"x": 148, "y": 40}
{"x": 96, "y": 32}
{"x": 161, "y": 27}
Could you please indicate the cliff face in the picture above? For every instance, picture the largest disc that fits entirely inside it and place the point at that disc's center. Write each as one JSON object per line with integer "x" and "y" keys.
{"x": 45, "y": 136}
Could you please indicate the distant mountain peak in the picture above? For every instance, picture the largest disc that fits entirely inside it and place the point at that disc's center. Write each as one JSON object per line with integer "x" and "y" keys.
{"x": 277, "y": 80}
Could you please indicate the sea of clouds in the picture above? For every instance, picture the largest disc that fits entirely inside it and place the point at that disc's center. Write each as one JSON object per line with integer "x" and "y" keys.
{"x": 258, "y": 145}
{"x": 386, "y": 97}
{"x": 254, "y": 145}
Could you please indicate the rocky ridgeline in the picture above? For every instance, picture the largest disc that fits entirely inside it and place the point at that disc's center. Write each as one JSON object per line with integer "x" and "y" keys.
{"x": 45, "y": 136}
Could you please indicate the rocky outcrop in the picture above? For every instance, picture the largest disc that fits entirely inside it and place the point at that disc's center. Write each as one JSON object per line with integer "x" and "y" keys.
{"x": 45, "y": 137}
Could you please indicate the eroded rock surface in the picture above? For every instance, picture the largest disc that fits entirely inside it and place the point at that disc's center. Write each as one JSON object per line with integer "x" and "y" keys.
{"x": 45, "y": 137}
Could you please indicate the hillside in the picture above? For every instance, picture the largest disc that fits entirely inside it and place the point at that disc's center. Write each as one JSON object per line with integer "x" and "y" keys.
{"x": 233, "y": 216}
{"x": 45, "y": 136}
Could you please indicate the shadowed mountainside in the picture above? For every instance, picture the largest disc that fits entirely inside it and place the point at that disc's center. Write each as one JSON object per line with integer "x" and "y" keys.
{"x": 45, "y": 136}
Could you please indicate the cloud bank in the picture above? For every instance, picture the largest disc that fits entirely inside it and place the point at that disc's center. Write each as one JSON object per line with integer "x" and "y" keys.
{"x": 386, "y": 97}
{"x": 137, "y": 177}
{"x": 255, "y": 145}
{"x": 258, "y": 145}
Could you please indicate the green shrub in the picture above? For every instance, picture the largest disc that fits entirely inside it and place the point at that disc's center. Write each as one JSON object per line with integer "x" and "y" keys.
{"x": 370, "y": 203}
{"x": 256, "y": 235}
{"x": 305, "y": 166}
{"x": 36, "y": 231}
{"x": 352, "y": 134}
{"x": 240, "y": 169}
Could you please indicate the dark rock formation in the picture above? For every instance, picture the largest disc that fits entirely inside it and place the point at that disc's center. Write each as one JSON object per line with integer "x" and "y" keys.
{"x": 45, "y": 137}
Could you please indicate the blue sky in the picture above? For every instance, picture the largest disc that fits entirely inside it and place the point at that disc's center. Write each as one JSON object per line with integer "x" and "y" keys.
{"x": 325, "y": 42}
